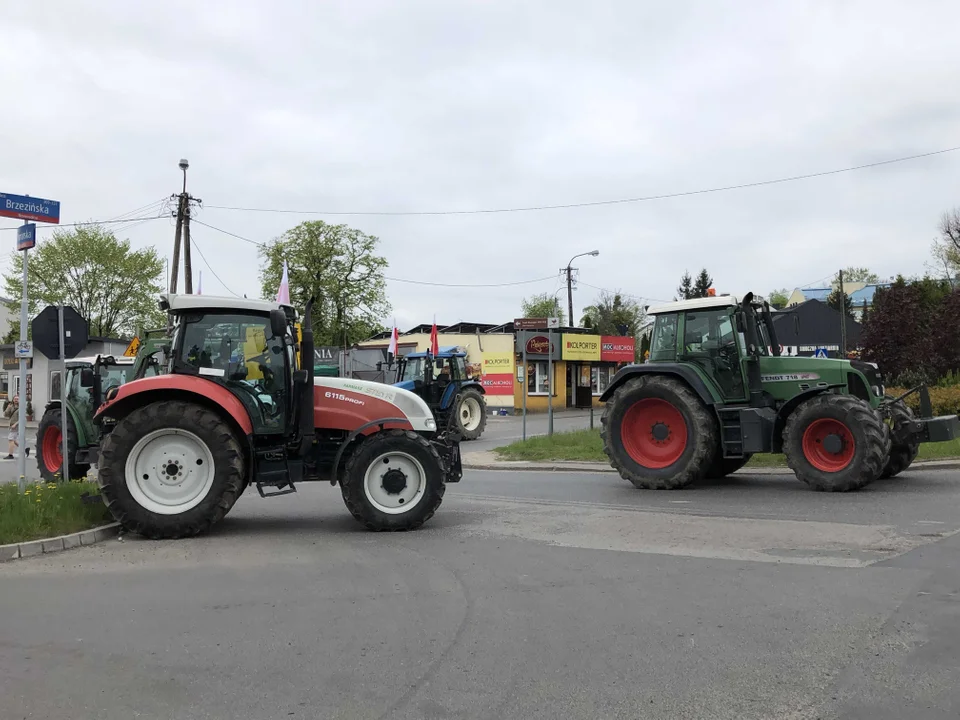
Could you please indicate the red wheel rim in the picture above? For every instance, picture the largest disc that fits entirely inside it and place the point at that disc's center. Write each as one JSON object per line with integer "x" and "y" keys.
{"x": 52, "y": 453}
{"x": 818, "y": 455}
{"x": 653, "y": 433}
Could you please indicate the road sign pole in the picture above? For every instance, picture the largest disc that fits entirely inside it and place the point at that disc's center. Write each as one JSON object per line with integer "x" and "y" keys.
{"x": 21, "y": 391}
{"x": 64, "y": 421}
{"x": 550, "y": 385}
{"x": 526, "y": 381}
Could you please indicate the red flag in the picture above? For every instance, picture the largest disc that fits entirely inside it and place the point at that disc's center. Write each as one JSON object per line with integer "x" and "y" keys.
{"x": 394, "y": 346}
{"x": 434, "y": 340}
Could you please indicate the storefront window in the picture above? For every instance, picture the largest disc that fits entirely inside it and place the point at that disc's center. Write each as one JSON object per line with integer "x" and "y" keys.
{"x": 600, "y": 378}
{"x": 537, "y": 381}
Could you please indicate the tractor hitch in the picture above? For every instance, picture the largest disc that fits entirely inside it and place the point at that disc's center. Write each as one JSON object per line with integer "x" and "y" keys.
{"x": 926, "y": 428}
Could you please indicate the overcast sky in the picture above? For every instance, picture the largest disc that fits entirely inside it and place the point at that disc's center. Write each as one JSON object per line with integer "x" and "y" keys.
{"x": 426, "y": 106}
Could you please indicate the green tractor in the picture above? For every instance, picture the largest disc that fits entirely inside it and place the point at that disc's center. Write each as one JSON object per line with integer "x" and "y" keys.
{"x": 87, "y": 379}
{"x": 716, "y": 391}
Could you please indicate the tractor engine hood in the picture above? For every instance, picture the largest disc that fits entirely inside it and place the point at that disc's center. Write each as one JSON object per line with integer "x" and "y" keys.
{"x": 345, "y": 404}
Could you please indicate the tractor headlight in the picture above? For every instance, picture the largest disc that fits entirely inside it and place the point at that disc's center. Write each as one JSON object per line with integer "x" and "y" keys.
{"x": 878, "y": 390}
{"x": 431, "y": 424}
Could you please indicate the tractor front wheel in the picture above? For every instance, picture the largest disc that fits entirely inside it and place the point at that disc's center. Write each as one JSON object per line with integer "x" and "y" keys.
{"x": 170, "y": 469}
{"x": 835, "y": 443}
{"x": 901, "y": 455}
{"x": 393, "y": 481}
{"x": 658, "y": 434}
{"x": 50, "y": 448}
{"x": 471, "y": 414}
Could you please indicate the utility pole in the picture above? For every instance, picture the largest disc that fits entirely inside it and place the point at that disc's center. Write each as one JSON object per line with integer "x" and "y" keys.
{"x": 843, "y": 317}
{"x": 182, "y": 235}
{"x": 569, "y": 271}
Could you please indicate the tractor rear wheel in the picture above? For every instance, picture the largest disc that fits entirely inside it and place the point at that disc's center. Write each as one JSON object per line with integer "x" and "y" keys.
{"x": 658, "y": 434}
{"x": 393, "y": 481}
{"x": 835, "y": 443}
{"x": 901, "y": 455}
{"x": 50, "y": 448}
{"x": 471, "y": 414}
{"x": 170, "y": 469}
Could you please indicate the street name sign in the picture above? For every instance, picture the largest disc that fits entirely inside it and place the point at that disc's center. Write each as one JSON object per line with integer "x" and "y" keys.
{"x": 29, "y": 208}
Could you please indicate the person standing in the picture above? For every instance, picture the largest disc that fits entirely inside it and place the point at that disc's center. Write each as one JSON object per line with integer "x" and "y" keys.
{"x": 12, "y": 413}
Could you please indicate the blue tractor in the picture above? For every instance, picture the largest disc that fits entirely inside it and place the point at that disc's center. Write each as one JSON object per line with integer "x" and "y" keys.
{"x": 443, "y": 384}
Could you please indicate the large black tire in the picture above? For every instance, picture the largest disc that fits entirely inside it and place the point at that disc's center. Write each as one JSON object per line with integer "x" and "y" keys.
{"x": 381, "y": 506}
{"x": 192, "y": 426}
{"x": 667, "y": 406}
{"x": 473, "y": 402}
{"x": 721, "y": 466}
{"x": 50, "y": 448}
{"x": 901, "y": 455}
{"x": 863, "y": 439}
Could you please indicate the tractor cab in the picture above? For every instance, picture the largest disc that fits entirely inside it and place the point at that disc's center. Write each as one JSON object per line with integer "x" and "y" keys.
{"x": 80, "y": 390}
{"x": 444, "y": 384}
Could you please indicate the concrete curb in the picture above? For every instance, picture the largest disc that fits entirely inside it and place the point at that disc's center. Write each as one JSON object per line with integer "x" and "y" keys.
{"x": 594, "y": 467}
{"x": 15, "y": 551}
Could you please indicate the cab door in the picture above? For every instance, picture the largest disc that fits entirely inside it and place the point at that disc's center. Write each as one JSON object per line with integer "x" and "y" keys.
{"x": 710, "y": 342}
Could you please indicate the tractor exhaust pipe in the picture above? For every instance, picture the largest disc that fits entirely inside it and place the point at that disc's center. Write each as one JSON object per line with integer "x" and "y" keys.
{"x": 306, "y": 390}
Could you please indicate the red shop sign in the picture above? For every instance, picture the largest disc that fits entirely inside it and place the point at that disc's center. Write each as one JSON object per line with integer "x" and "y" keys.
{"x": 498, "y": 384}
{"x": 617, "y": 349}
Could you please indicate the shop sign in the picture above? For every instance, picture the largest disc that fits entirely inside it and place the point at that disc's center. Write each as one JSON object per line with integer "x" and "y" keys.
{"x": 581, "y": 347}
{"x": 498, "y": 363}
{"x": 538, "y": 345}
{"x": 13, "y": 363}
{"x": 617, "y": 349}
{"x": 498, "y": 383}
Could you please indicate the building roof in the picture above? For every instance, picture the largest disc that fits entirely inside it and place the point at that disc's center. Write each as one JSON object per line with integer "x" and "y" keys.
{"x": 694, "y": 304}
{"x": 866, "y": 293}
{"x": 183, "y": 303}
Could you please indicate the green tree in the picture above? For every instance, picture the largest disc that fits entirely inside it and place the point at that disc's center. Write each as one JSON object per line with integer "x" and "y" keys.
{"x": 840, "y": 302}
{"x": 542, "y": 305}
{"x": 858, "y": 275}
{"x": 614, "y": 314}
{"x": 685, "y": 289}
{"x": 946, "y": 248}
{"x": 114, "y": 287}
{"x": 702, "y": 284}
{"x": 778, "y": 298}
{"x": 340, "y": 267}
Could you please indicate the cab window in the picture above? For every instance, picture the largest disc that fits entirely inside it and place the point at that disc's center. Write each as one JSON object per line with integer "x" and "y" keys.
{"x": 663, "y": 344}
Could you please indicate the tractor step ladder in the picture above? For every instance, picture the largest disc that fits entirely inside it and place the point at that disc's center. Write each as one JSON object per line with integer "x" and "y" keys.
{"x": 273, "y": 471}
{"x": 731, "y": 433}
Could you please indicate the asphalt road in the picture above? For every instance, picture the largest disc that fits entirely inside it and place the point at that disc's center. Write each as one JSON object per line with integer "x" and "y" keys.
{"x": 529, "y": 595}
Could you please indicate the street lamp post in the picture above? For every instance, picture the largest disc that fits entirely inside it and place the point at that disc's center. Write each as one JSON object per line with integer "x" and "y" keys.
{"x": 569, "y": 271}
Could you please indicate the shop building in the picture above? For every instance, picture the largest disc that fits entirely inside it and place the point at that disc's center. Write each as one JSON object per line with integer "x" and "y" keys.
{"x": 573, "y": 364}
{"x": 41, "y": 369}
{"x": 489, "y": 350}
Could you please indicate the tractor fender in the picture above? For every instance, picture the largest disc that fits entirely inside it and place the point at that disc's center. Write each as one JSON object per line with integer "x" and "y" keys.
{"x": 677, "y": 370}
{"x": 792, "y": 404}
{"x": 191, "y": 388}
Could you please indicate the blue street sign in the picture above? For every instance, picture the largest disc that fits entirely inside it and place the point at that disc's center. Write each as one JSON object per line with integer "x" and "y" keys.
{"x": 29, "y": 208}
{"x": 26, "y": 236}
{"x": 821, "y": 353}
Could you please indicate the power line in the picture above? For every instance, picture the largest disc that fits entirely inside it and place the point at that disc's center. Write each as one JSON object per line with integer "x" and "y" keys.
{"x": 483, "y": 285}
{"x": 401, "y": 280}
{"x": 210, "y": 267}
{"x": 620, "y": 292}
{"x": 92, "y": 222}
{"x": 620, "y": 201}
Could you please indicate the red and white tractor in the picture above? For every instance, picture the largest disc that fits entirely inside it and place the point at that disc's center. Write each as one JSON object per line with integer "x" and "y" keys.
{"x": 234, "y": 405}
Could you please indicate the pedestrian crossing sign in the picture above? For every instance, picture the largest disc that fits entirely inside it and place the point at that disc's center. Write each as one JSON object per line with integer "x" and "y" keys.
{"x": 821, "y": 353}
{"x": 132, "y": 348}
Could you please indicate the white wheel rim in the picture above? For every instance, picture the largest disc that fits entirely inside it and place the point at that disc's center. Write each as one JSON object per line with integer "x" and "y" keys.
{"x": 169, "y": 471}
{"x": 470, "y": 413}
{"x": 381, "y": 483}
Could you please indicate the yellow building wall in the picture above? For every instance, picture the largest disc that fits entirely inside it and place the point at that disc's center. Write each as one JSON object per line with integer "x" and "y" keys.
{"x": 493, "y": 343}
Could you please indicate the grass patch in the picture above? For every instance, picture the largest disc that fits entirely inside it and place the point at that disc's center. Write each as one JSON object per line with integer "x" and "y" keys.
{"x": 585, "y": 445}
{"x": 46, "y": 510}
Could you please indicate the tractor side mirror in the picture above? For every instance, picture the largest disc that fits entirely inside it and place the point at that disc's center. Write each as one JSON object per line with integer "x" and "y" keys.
{"x": 86, "y": 377}
{"x": 278, "y": 323}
